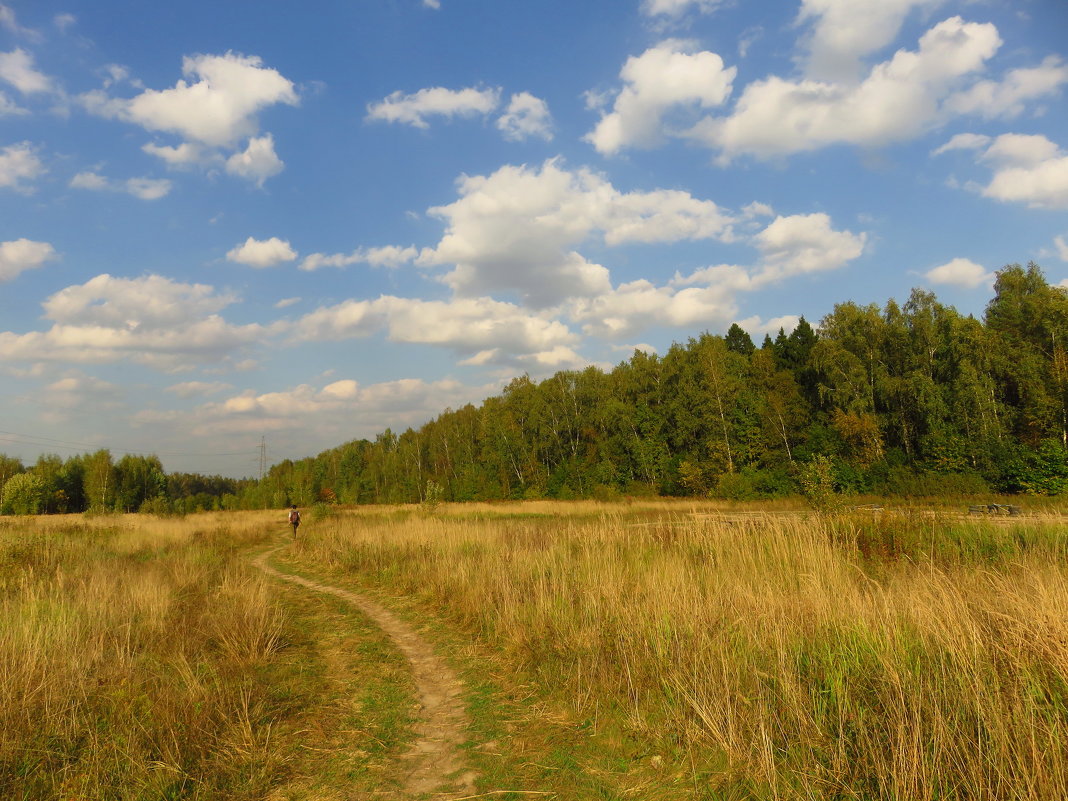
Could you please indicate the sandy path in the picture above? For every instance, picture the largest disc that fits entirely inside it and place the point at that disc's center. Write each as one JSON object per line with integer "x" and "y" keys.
{"x": 434, "y": 760}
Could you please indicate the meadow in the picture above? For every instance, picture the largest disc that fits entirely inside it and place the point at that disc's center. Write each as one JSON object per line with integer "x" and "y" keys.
{"x": 654, "y": 650}
{"x": 144, "y": 658}
{"x": 717, "y": 652}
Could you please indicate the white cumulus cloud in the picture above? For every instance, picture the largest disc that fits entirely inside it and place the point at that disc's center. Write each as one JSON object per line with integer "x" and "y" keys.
{"x": 385, "y": 256}
{"x": 960, "y": 272}
{"x": 151, "y": 320}
{"x": 526, "y": 116}
{"x": 18, "y": 70}
{"x": 898, "y": 100}
{"x": 142, "y": 188}
{"x": 665, "y": 77}
{"x": 257, "y": 162}
{"x": 19, "y": 163}
{"x": 413, "y": 109}
{"x": 216, "y": 104}
{"x": 708, "y": 297}
{"x": 265, "y": 253}
{"x": 465, "y": 325}
{"x": 1028, "y": 169}
{"x": 1009, "y": 97}
{"x": 20, "y": 255}
{"x": 804, "y": 243}
{"x": 843, "y": 32}
{"x": 517, "y": 230}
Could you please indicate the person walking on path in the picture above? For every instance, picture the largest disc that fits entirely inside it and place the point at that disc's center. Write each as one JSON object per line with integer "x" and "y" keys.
{"x": 294, "y": 519}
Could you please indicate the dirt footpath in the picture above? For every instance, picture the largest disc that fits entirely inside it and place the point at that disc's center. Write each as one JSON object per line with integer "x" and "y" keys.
{"x": 434, "y": 764}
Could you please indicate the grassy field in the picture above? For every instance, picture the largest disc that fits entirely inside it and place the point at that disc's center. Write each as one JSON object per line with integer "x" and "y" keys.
{"x": 144, "y": 659}
{"x": 651, "y": 650}
{"x": 708, "y": 653}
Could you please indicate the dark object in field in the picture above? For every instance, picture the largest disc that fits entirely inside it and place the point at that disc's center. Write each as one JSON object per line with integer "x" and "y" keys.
{"x": 995, "y": 509}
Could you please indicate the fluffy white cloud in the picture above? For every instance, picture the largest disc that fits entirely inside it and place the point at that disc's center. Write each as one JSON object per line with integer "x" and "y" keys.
{"x": 257, "y": 162}
{"x": 20, "y": 255}
{"x": 152, "y": 320}
{"x": 1008, "y": 97}
{"x": 386, "y": 256}
{"x": 1028, "y": 169}
{"x": 466, "y": 325}
{"x": 663, "y": 78}
{"x": 216, "y": 106}
{"x": 142, "y": 188}
{"x": 347, "y": 320}
{"x": 898, "y": 100}
{"x": 413, "y": 109}
{"x": 637, "y": 305}
{"x": 152, "y": 301}
{"x": 19, "y": 163}
{"x": 147, "y": 188}
{"x": 90, "y": 180}
{"x": 526, "y": 116}
{"x": 788, "y": 246}
{"x": 265, "y": 253}
{"x": 517, "y": 229}
{"x": 754, "y": 325}
{"x": 960, "y": 272}
{"x": 1020, "y": 150}
{"x": 845, "y": 31}
{"x": 472, "y": 324}
{"x": 17, "y": 69}
{"x": 804, "y": 243}
{"x": 336, "y": 408}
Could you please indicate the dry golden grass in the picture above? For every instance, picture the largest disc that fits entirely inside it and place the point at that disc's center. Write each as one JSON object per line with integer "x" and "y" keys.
{"x": 773, "y": 656}
{"x": 128, "y": 655}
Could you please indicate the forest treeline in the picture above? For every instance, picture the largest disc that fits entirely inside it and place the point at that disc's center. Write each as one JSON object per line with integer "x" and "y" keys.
{"x": 96, "y": 482}
{"x": 908, "y": 399}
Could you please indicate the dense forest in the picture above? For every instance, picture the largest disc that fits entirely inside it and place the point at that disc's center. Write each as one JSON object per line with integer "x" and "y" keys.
{"x": 97, "y": 483}
{"x": 912, "y": 399}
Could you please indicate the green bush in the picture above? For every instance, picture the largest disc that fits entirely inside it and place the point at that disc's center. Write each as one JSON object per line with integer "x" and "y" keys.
{"x": 24, "y": 494}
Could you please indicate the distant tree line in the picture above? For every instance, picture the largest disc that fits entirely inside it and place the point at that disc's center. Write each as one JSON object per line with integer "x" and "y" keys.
{"x": 910, "y": 399}
{"x": 96, "y": 483}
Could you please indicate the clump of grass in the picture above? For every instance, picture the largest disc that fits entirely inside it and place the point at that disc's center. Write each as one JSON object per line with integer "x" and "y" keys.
{"x": 767, "y": 657}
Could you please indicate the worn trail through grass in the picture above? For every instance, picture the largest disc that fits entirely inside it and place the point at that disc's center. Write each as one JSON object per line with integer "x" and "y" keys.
{"x": 435, "y": 763}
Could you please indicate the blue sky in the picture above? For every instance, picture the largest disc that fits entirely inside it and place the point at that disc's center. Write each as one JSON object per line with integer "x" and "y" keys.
{"x": 222, "y": 222}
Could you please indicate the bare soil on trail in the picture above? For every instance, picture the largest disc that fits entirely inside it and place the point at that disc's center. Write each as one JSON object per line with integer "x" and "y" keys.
{"x": 434, "y": 763}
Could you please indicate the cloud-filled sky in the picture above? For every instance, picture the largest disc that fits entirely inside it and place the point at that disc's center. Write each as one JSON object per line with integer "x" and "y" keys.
{"x": 227, "y": 222}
